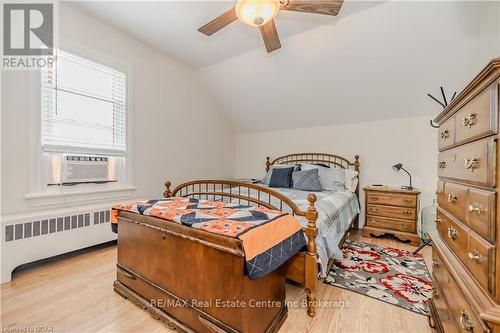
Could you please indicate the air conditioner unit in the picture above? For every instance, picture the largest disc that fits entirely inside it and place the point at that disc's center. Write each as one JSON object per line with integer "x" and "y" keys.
{"x": 84, "y": 169}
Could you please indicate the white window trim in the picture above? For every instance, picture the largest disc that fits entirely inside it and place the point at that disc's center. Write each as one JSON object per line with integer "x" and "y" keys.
{"x": 38, "y": 191}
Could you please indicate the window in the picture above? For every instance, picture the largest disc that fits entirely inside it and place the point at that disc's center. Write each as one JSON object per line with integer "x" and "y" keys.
{"x": 78, "y": 130}
{"x": 83, "y": 106}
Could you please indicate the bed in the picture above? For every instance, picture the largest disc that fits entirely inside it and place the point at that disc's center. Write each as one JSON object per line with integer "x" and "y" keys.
{"x": 337, "y": 210}
{"x": 325, "y": 234}
{"x": 153, "y": 254}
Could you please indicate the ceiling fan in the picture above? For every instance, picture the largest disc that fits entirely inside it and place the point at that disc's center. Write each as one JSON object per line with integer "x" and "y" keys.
{"x": 261, "y": 13}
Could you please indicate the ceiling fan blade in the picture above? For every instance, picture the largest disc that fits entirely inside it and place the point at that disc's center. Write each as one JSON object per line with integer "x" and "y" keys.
{"x": 270, "y": 36}
{"x": 325, "y": 7}
{"x": 219, "y": 22}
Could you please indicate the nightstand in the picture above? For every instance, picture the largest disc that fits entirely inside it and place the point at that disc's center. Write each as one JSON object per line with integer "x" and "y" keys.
{"x": 392, "y": 211}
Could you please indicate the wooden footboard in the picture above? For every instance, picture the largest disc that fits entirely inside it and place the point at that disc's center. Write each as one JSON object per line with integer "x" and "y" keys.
{"x": 303, "y": 268}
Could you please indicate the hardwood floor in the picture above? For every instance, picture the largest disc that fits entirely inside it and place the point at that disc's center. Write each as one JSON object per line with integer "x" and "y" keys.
{"x": 76, "y": 295}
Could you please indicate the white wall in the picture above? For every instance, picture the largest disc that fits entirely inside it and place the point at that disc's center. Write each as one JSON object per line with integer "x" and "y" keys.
{"x": 380, "y": 144}
{"x": 177, "y": 134}
{"x": 172, "y": 116}
{"x": 376, "y": 60}
{"x": 488, "y": 40}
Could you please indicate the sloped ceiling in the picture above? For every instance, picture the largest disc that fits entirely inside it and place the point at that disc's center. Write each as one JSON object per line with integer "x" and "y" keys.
{"x": 376, "y": 60}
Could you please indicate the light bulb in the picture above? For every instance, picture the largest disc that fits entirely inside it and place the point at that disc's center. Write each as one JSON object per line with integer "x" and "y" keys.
{"x": 257, "y": 12}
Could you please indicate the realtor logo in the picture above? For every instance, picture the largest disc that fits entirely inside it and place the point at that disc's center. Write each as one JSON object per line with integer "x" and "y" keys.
{"x": 28, "y": 29}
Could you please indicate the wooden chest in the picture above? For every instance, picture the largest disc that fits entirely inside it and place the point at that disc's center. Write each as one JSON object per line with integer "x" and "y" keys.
{"x": 193, "y": 280}
{"x": 391, "y": 211}
{"x": 466, "y": 260}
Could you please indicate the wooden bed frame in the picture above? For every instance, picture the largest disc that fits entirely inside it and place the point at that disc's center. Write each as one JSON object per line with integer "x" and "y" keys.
{"x": 303, "y": 267}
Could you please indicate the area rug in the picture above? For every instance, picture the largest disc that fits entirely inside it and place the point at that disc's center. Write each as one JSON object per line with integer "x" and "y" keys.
{"x": 388, "y": 274}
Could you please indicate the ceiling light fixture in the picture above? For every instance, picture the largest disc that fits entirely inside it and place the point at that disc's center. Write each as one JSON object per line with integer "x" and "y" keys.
{"x": 257, "y": 12}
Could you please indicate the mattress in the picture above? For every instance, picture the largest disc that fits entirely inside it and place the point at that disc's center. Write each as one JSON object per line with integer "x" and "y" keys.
{"x": 336, "y": 211}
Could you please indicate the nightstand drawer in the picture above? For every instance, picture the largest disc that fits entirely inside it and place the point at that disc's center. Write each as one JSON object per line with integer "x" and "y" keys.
{"x": 401, "y": 200}
{"x": 393, "y": 224}
{"x": 391, "y": 211}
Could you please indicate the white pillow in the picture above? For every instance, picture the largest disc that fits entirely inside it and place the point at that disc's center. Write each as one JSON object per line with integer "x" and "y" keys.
{"x": 331, "y": 179}
{"x": 267, "y": 178}
{"x": 351, "y": 180}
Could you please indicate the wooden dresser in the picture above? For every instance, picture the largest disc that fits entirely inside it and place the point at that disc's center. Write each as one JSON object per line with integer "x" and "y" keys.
{"x": 465, "y": 257}
{"x": 392, "y": 211}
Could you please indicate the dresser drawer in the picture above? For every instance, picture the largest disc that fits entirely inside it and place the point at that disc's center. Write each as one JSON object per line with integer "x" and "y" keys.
{"x": 391, "y": 211}
{"x": 454, "y": 200}
{"x": 460, "y": 309}
{"x": 401, "y": 200}
{"x": 453, "y": 234}
{"x": 481, "y": 213}
{"x": 480, "y": 261}
{"x": 475, "y": 253}
{"x": 446, "y": 134}
{"x": 392, "y": 224}
{"x": 450, "y": 302}
{"x": 473, "y": 163}
{"x": 439, "y": 272}
{"x": 447, "y": 322}
{"x": 479, "y": 117}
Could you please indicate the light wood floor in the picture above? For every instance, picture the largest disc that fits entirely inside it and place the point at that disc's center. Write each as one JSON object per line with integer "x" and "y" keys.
{"x": 76, "y": 295}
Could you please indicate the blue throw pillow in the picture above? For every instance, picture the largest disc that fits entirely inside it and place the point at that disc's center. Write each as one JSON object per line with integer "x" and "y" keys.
{"x": 307, "y": 180}
{"x": 281, "y": 177}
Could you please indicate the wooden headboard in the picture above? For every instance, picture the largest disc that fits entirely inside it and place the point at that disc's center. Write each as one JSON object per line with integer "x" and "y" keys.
{"x": 333, "y": 161}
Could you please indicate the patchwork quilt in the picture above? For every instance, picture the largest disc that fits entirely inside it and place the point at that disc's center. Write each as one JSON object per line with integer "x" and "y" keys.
{"x": 269, "y": 237}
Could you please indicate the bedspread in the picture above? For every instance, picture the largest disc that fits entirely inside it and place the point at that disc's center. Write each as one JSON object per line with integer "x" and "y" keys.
{"x": 336, "y": 211}
{"x": 269, "y": 237}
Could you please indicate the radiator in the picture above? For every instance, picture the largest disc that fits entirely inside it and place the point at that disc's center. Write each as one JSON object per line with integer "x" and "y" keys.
{"x": 42, "y": 236}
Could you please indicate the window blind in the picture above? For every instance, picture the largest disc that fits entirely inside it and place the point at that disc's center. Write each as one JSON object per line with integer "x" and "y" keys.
{"x": 83, "y": 106}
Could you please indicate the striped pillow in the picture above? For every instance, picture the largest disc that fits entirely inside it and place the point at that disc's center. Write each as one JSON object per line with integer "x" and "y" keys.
{"x": 307, "y": 180}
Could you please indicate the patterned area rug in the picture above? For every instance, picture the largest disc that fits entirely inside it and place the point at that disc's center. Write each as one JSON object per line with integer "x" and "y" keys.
{"x": 388, "y": 274}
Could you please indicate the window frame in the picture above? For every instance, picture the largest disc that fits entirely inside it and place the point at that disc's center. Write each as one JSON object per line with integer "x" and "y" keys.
{"x": 39, "y": 193}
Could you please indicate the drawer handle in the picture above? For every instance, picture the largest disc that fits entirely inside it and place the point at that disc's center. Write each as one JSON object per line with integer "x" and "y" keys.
{"x": 163, "y": 236}
{"x": 469, "y": 120}
{"x": 408, "y": 201}
{"x": 441, "y": 165}
{"x": 435, "y": 263}
{"x": 435, "y": 293}
{"x": 445, "y": 135}
{"x": 475, "y": 208}
{"x": 437, "y": 192}
{"x": 374, "y": 198}
{"x": 475, "y": 256}
{"x": 452, "y": 198}
{"x": 465, "y": 322}
{"x": 452, "y": 233}
{"x": 407, "y": 213}
{"x": 471, "y": 163}
{"x": 212, "y": 327}
{"x": 438, "y": 220}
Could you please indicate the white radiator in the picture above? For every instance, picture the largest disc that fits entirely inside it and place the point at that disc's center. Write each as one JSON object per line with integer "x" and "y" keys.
{"x": 40, "y": 236}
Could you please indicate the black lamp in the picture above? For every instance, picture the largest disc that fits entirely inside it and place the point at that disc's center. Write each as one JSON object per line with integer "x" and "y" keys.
{"x": 398, "y": 167}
